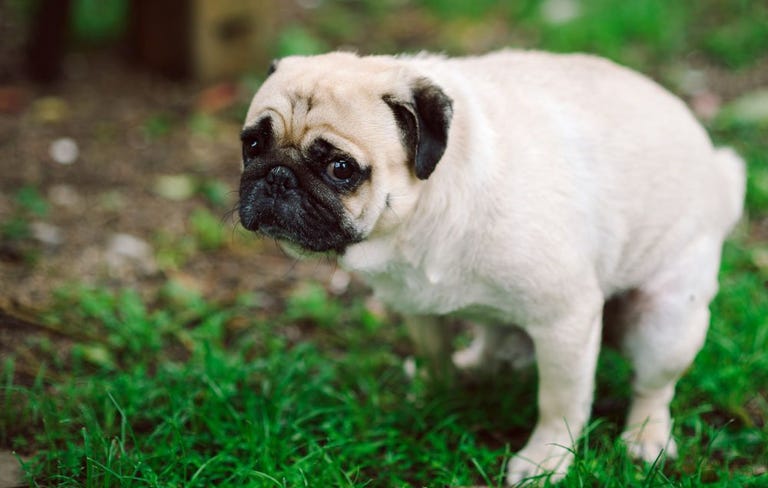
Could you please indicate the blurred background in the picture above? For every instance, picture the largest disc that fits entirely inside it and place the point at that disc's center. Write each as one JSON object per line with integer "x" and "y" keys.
{"x": 119, "y": 150}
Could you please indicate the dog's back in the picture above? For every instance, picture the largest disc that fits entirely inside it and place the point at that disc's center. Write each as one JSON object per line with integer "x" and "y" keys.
{"x": 637, "y": 169}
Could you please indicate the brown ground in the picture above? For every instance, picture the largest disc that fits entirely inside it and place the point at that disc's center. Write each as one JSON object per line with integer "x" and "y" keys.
{"x": 131, "y": 128}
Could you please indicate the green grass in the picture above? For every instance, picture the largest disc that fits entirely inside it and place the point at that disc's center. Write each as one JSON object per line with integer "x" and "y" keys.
{"x": 189, "y": 393}
{"x": 174, "y": 390}
{"x": 28, "y": 204}
{"x": 639, "y": 33}
{"x": 16, "y": 234}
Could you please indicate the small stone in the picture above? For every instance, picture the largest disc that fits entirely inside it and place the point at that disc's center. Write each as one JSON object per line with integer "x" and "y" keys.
{"x": 64, "y": 150}
{"x": 126, "y": 252}
{"x": 46, "y": 233}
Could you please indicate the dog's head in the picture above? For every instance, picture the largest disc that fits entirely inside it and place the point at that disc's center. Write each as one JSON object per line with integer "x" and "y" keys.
{"x": 334, "y": 148}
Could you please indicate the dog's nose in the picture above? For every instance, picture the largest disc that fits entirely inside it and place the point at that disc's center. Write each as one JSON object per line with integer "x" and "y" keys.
{"x": 281, "y": 178}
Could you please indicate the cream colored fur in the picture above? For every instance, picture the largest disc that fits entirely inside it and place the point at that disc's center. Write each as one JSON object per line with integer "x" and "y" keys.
{"x": 567, "y": 180}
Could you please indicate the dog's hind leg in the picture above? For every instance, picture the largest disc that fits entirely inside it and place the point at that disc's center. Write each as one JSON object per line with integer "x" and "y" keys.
{"x": 668, "y": 320}
{"x": 492, "y": 346}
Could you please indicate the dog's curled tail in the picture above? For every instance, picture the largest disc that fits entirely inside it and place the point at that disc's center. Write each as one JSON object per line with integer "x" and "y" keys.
{"x": 733, "y": 171}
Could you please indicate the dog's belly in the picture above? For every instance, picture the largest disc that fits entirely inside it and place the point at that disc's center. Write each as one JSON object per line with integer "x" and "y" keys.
{"x": 411, "y": 291}
{"x": 408, "y": 292}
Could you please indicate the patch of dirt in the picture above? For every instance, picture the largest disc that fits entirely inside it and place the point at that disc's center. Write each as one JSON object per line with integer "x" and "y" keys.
{"x": 129, "y": 128}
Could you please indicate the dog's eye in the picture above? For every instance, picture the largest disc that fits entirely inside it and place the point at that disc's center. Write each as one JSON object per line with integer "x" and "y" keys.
{"x": 341, "y": 170}
{"x": 250, "y": 149}
{"x": 257, "y": 139}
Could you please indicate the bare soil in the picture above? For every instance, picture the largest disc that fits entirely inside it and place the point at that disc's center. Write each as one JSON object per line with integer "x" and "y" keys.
{"x": 130, "y": 128}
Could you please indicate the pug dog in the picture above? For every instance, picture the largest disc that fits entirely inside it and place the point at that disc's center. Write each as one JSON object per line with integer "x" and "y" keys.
{"x": 523, "y": 191}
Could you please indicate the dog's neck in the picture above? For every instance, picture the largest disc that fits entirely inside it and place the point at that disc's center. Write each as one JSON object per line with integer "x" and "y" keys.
{"x": 433, "y": 230}
{"x": 443, "y": 221}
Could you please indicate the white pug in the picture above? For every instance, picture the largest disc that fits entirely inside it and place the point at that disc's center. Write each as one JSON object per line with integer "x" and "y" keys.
{"x": 516, "y": 189}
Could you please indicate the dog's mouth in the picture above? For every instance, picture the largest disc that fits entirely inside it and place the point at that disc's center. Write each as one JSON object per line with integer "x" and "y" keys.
{"x": 285, "y": 238}
{"x": 300, "y": 225}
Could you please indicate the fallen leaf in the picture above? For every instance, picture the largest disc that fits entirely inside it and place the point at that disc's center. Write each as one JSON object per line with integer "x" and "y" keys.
{"x": 175, "y": 187}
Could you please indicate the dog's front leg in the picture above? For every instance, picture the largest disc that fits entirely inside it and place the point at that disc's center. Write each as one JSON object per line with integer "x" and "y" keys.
{"x": 432, "y": 340}
{"x": 566, "y": 355}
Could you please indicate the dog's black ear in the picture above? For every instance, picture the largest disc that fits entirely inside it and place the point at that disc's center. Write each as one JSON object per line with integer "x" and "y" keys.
{"x": 272, "y": 67}
{"x": 424, "y": 122}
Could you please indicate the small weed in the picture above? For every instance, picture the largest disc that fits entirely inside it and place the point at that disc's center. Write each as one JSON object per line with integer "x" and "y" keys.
{"x": 28, "y": 204}
{"x": 741, "y": 34}
{"x": 203, "y": 124}
{"x": 216, "y": 192}
{"x": 30, "y": 201}
{"x": 157, "y": 126}
{"x": 299, "y": 40}
{"x": 16, "y": 230}
{"x": 171, "y": 252}
{"x": 311, "y": 302}
{"x": 209, "y": 231}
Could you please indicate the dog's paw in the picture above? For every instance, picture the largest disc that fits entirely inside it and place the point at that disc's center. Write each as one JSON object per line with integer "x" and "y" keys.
{"x": 516, "y": 349}
{"x": 410, "y": 368}
{"x": 471, "y": 361}
{"x": 534, "y": 465}
{"x": 491, "y": 352}
{"x": 436, "y": 373}
{"x": 650, "y": 444}
{"x": 468, "y": 358}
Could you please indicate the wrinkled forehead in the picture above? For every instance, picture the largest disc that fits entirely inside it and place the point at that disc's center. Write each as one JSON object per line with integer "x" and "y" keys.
{"x": 297, "y": 111}
{"x": 304, "y": 102}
